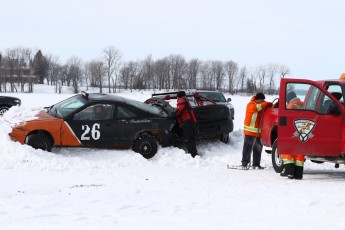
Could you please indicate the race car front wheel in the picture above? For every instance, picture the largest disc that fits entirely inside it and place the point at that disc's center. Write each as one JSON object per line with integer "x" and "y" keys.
{"x": 277, "y": 161}
{"x": 146, "y": 146}
{"x": 39, "y": 141}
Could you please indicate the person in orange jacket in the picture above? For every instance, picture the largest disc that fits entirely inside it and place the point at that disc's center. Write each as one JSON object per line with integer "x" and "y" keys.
{"x": 293, "y": 164}
{"x": 186, "y": 119}
{"x": 252, "y": 130}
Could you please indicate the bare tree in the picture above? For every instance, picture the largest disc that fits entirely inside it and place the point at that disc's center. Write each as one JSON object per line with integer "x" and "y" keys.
{"x": 283, "y": 71}
{"x": 242, "y": 79}
{"x": 178, "y": 68}
{"x": 148, "y": 70}
{"x": 97, "y": 73}
{"x": 206, "y": 76}
{"x": 74, "y": 73}
{"x": 11, "y": 68}
{"x": 130, "y": 73}
{"x": 231, "y": 69}
{"x": 86, "y": 75}
{"x": 261, "y": 74}
{"x": 162, "y": 69}
{"x": 193, "y": 69}
{"x": 112, "y": 58}
{"x": 272, "y": 70}
{"x": 218, "y": 74}
{"x": 53, "y": 69}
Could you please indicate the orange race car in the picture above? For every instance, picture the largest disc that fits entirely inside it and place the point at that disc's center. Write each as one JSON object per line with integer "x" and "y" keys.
{"x": 97, "y": 120}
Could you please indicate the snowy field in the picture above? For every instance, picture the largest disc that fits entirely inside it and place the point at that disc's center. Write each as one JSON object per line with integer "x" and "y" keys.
{"x": 82, "y": 188}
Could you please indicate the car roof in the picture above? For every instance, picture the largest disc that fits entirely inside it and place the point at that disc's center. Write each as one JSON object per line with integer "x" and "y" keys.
{"x": 202, "y": 90}
{"x": 97, "y": 97}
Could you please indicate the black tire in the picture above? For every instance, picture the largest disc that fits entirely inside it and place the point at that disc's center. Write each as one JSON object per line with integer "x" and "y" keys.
{"x": 3, "y": 110}
{"x": 146, "y": 146}
{"x": 224, "y": 137}
{"x": 277, "y": 161}
{"x": 39, "y": 141}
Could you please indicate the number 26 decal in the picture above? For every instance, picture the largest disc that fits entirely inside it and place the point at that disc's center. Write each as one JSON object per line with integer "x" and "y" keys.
{"x": 94, "y": 131}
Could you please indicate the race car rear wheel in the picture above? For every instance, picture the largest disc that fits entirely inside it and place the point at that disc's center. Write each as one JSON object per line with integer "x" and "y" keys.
{"x": 146, "y": 146}
{"x": 3, "y": 110}
{"x": 277, "y": 161}
{"x": 39, "y": 141}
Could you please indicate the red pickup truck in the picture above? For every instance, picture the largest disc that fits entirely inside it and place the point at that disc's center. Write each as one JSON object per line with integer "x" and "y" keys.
{"x": 317, "y": 130}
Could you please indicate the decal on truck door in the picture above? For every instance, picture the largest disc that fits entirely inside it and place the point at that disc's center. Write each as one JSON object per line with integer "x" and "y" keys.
{"x": 304, "y": 128}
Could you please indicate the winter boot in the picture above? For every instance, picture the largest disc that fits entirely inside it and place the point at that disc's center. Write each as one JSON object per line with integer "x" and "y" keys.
{"x": 283, "y": 172}
{"x": 245, "y": 165}
{"x": 298, "y": 174}
{"x": 289, "y": 170}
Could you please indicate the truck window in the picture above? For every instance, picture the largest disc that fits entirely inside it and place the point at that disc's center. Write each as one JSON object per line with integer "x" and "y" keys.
{"x": 314, "y": 99}
{"x": 335, "y": 89}
{"x": 296, "y": 91}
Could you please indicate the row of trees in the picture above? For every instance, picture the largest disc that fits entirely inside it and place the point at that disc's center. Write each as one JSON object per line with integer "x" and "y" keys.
{"x": 19, "y": 67}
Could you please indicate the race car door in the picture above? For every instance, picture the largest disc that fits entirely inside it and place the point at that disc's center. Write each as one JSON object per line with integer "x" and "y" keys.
{"x": 310, "y": 129}
{"x": 94, "y": 126}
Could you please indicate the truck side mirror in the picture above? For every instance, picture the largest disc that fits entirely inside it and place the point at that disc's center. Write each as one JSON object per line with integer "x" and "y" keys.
{"x": 229, "y": 99}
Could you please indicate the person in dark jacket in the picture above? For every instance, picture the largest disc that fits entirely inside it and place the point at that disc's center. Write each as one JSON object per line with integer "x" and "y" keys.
{"x": 187, "y": 121}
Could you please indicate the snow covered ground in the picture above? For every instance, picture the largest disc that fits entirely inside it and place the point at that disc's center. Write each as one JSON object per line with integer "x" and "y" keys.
{"x": 82, "y": 188}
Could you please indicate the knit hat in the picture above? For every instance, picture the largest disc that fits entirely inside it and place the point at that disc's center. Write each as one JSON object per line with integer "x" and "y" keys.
{"x": 290, "y": 95}
{"x": 181, "y": 94}
{"x": 259, "y": 96}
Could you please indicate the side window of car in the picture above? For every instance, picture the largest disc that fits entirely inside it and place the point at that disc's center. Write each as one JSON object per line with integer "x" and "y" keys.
{"x": 123, "y": 113}
{"x": 95, "y": 112}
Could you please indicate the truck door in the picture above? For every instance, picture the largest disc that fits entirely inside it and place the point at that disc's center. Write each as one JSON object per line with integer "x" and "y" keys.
{"x": 314, "y": 129}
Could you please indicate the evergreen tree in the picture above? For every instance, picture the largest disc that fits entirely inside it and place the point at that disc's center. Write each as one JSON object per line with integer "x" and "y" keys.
{"x": 40, "y": 66}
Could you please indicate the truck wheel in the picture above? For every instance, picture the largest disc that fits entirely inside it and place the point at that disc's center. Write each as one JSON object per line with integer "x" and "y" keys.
{"x": 3, "y": 110}
{"x": 224, "y": 137}
{"x": 146, "y": 146}
{"x": 277, "y": 161}
{"x": 39, "y": 141}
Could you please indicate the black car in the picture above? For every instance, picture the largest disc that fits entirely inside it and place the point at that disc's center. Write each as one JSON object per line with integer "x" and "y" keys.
{"x": 100, "y": 121}
{"x": 214, "y": 119}
{"x": 210, "y": 97}
{"x": 7, "y": 102}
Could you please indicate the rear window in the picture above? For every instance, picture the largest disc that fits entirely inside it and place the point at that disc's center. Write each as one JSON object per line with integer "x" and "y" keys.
{"x": 145, "y": 107}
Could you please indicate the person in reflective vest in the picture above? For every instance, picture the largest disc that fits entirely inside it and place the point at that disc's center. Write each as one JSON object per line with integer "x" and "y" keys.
{"x": 186, "y": 119}
{"x": 293, "y": 164}
{"x": 252, "y": 130}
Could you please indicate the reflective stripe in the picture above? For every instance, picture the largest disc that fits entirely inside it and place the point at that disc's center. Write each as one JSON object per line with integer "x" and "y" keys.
{"x": 252, "y": 129}
{"x": 259, "y": 107}
{"x": 252, "y": 122}
{"x": 299, "y": 163}
{"x": 288, "y": 161}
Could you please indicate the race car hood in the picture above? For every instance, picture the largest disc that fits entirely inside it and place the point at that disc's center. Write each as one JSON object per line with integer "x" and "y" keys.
{"x": 28, "y": 115}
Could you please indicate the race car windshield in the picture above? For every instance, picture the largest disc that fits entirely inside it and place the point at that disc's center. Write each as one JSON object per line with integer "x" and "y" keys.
{"x": 146, "y": 107}
{"x": 66, "y": 107}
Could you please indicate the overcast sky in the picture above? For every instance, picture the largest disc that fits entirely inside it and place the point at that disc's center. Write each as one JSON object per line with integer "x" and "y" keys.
{"x": 305, "y": 35}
